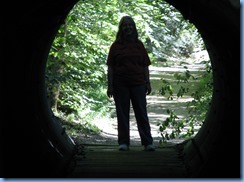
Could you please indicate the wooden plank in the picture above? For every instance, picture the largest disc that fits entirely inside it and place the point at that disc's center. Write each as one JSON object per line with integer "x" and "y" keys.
{"x": 108, "y": 162}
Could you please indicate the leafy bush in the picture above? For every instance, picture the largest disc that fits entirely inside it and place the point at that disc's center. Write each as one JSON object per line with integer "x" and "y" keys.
{"x": 196, "y": 109}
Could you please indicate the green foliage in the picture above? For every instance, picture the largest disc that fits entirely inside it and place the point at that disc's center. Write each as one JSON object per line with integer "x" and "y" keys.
{"x": 76, "y": 70}
{"x": 196, "y": 109}
{"x": 171, "y": 121}
{"x": 75, "y": 128}
{"x": 166, "y": 88}
{"x": 202, "y": 96}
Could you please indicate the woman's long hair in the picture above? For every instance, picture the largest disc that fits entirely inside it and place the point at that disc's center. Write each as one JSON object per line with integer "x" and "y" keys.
{"x": 119, "y": 36}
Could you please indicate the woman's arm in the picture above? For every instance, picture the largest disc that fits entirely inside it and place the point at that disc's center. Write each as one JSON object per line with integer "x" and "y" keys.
{"x": 110, "y": 81}
{"x": 147, "y": 78}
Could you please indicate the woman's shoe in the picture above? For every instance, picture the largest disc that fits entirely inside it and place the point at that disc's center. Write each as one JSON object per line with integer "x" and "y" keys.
{"x": 150, "y": 147}
{"x": 123, "y": 147}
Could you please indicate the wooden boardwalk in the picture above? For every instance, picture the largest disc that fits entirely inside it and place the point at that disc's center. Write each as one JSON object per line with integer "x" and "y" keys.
{"x": 106, "y": 161}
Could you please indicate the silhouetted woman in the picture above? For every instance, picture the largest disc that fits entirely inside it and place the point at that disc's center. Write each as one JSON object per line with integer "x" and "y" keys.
{"x": 128, "y": 81}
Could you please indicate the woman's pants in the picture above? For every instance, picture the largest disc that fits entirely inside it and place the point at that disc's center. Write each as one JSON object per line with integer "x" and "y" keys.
{"x": 137, "y": 95}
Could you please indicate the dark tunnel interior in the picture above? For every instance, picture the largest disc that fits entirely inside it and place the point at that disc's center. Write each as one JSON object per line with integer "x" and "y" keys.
{"x": 34, "y": 144}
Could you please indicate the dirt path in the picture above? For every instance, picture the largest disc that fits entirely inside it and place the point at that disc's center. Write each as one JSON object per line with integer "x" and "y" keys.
{"x": 156, "y": 106}
{"x": 156, "y": 112}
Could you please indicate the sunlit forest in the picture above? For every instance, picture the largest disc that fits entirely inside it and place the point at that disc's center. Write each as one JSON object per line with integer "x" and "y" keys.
{"x": 76, "y": 77}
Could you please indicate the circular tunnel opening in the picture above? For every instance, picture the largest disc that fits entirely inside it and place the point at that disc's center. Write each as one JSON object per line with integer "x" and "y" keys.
{"x": 41, "y": 141}
{"x": 179, "y": 61}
